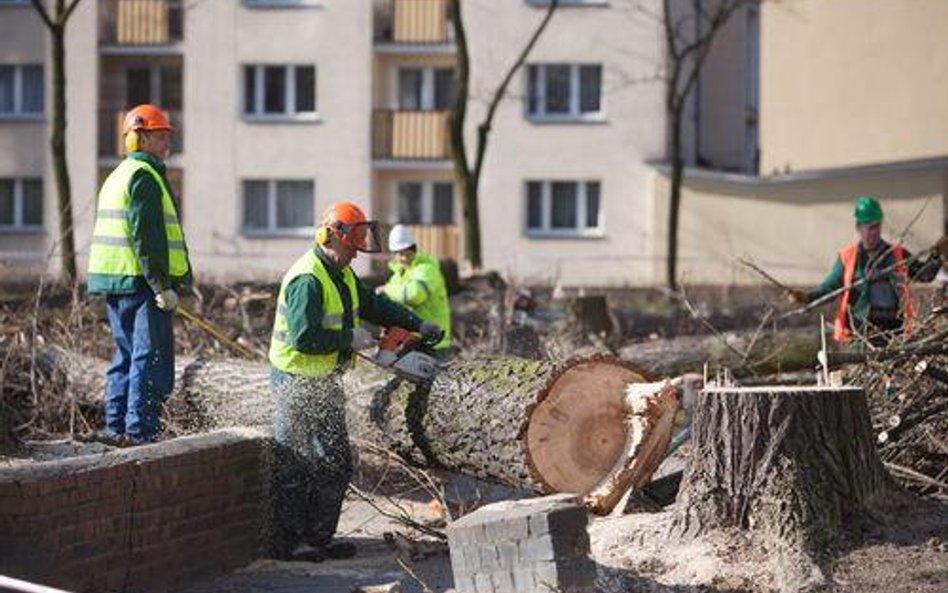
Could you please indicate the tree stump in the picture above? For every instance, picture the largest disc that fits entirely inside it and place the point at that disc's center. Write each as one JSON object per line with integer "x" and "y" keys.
{"x": 791, "y": 464}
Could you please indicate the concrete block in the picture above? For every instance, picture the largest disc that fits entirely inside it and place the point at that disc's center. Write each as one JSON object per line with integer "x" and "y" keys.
{"x": 508, "y": 554}
{"x": 503, "y": 582}
{"x": 523, "y": 579}
{"x": 464, "y": 584}
{"x": 483, "y": 583}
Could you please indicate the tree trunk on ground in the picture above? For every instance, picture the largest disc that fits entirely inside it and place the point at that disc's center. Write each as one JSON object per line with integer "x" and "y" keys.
{"x": 788, "y": 350}
{"x": 530, "y": 424}
{"x": 790, "y": 464}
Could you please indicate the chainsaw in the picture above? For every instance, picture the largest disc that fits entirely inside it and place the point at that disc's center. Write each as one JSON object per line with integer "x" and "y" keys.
{"x": 403, "y": 353}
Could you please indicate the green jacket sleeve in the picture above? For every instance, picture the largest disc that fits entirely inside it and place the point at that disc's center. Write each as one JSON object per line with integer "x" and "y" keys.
{"x": 146, "y": 220}
{"x": 304, "y": 315}
{"x": 833, "y": 281}
{"x": 381, "y": 310}
{"x": 416, "y": 288}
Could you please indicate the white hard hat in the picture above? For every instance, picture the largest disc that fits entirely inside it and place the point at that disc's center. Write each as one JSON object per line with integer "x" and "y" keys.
{"x": 400, "y": 238}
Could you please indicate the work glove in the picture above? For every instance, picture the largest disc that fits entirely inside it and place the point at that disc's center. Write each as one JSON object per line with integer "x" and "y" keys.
{"x": 362, "y": 339}
{"x": 430, "y": 332}
{"x": 167, "y": 300}
{"x": 795, "y": 296}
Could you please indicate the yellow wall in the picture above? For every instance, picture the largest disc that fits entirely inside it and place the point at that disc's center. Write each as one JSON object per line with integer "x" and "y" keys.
{"x": 848, "y": 82}
{"x": 793, "y": 229}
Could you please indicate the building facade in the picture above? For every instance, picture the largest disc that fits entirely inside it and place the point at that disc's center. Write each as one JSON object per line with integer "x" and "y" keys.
{"x": 284, "y": 106}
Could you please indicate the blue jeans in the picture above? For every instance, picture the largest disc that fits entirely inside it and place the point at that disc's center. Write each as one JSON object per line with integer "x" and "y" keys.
{"x": 142, "y": 371}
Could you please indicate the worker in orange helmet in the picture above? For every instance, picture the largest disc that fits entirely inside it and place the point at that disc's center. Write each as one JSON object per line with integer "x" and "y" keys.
{"x": 139, "y": 261}
{"x": 316, "y": 331}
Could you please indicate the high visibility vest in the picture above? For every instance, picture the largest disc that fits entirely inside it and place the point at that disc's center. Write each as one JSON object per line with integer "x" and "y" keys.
{"x": 425, "y": 273}
{"x": 848, "y": 256}
{"x": 111, "y": 252}
{"x": 284, "y": 356}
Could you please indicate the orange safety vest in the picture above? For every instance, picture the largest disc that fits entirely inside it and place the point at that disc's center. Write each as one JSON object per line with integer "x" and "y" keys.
{"x": 847, "y": 255}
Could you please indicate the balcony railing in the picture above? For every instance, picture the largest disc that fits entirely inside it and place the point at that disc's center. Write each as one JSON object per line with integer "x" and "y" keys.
{"x": 112, "y": 142}
{"x": 140, "y": 22}
{"x": 413, "y": 22}
{"x": 440, "y": 241}
{"x": 412, "y": 135}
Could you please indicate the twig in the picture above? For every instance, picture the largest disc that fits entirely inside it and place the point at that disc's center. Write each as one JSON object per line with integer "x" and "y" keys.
{"x": 403, "y": 518}
{"x": 911, "y": 474}
{"x": 411, "y": 573}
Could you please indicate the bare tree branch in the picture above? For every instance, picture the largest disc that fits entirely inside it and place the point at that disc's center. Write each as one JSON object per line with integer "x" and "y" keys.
{"x": 41, "y": 10}
{"x": 69, "y": 10}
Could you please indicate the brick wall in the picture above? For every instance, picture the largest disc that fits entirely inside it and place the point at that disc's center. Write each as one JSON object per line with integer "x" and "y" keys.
{"x": 143, "y": 519}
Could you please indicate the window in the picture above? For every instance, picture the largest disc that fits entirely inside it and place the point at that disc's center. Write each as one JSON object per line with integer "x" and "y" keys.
{"x": 278, "y": 207}
{"x": 280, "y": 92}
{"x": 563, "y": 208}
{"x": 156, "y": 85}
{"x": 425, "y": 89}
{"x": 22, "y": 91}
{"x": 564, "y": 91}
{"x": 21, "y": 204}
{"x": 419, "y": 202}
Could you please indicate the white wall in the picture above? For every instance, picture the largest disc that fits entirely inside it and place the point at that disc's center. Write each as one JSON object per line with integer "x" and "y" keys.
{"x": 630, "y": 48}
{"x": 222, "y": 148}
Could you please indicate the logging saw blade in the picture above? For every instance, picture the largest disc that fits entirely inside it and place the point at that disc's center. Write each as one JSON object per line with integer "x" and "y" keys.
{"x": 401, "y": 352}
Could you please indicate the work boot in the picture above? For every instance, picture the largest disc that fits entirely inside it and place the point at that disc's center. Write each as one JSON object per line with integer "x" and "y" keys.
{"x": 101, "y": 436}
{"x": 339, "y": 550}
{"x": 307, "y": 554}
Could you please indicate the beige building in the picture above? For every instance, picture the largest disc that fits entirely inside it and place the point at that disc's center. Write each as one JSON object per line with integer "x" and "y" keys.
{"x": 283, "y": 106}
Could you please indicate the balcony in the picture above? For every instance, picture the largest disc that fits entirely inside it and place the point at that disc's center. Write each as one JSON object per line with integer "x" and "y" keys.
{"x": 140, "y": 24}
{"x": 413, "y": 22}
{"x": 112, "y": 143}
{"x": 410, "y": 135}
{"x": 440, "y": 241}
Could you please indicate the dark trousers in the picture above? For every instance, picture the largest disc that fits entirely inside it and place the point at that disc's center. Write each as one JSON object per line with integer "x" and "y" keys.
{"x": 313, "y": 464}
{"x": 142, "y": 371}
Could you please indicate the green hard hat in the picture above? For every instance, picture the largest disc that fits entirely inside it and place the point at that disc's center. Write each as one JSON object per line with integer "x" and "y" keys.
{"x": 868, "y": 210}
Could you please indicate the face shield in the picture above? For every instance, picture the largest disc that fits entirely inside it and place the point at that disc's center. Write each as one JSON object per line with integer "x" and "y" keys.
{"x": 361, "y": 236}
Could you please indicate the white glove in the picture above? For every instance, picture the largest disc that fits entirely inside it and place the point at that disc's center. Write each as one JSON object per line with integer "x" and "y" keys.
{"x": 167, "y": 300}
{"x": 362, "y": 339}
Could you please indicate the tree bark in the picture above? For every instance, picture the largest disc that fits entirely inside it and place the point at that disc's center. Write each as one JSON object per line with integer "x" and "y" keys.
{"x": 531, "y": 424}
{"x": 789, "y": 350}
{"x": 57, "y": 144}
{"x": 790, "y": 464}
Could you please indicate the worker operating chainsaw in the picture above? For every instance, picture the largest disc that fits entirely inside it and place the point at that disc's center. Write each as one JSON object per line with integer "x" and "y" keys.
{"x": 316, "y": 332}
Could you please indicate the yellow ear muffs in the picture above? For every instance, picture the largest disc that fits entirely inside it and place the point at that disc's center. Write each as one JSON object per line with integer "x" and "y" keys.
{"x": 322, "y": 235}
{"x": 132, "y": 141}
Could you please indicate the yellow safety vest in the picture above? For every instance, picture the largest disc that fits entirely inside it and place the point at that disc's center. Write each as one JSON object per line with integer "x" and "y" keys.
{"x": 111, "y": 252}
{"x": 285, "y": 357}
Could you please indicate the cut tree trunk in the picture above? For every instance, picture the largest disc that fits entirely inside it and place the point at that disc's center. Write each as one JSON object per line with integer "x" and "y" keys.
{"x": 790, "y": 464}
{"x": 788, "y": 350}
{"x": 530, "y": 424}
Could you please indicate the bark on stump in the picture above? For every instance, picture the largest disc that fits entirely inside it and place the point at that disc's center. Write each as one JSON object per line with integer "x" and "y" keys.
{"x": 792, "y": 464}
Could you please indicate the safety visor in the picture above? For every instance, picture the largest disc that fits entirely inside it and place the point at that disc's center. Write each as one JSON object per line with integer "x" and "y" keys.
{"x": 361, "y": 236}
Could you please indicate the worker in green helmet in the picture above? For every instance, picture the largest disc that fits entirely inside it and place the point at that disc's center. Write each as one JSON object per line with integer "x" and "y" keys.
{"x": 882, "y": 305}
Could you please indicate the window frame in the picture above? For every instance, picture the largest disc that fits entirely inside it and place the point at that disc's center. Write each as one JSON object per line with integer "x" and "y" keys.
{"x": 546, "y": 230}
{"x": 427, "y": 201}
{"x": 289, "y": 113}
{"x": 18, "y": 94}
{"x": 428, "y": 88}
{"x": 272, "y": 230}
{"x": 19, "y": 207}
{"x": 574, "y": 114}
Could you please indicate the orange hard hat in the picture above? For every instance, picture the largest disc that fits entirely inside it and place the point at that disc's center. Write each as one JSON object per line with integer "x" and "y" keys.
{"x": 348, "y": 223}
{"x": 146, "y": 117}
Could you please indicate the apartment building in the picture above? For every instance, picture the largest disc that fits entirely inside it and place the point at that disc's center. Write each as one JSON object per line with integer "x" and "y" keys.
{"x": 284, "y": 106}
